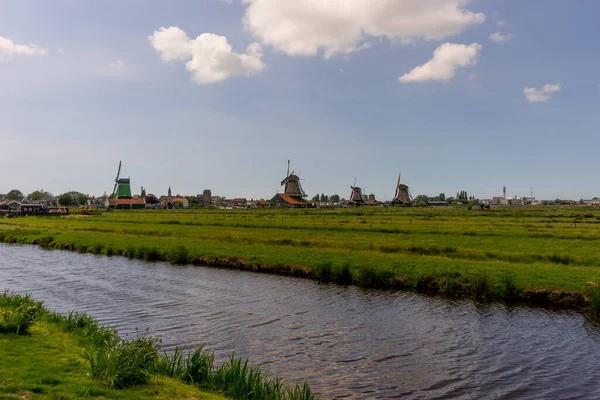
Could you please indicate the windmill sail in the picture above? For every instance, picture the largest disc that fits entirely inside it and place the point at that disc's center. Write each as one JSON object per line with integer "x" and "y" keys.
{"x": 122, "y": 188}
{"x": 402, "y": 195}
{"x": 292, "y": 184}
{"x": 356, "y": 195}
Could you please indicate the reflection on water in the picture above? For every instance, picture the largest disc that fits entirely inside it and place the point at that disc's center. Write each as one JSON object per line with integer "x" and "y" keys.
{"x": 345, "y": 341}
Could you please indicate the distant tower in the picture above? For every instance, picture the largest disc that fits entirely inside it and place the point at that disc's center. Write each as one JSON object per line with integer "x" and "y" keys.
{"x": 504, "y": 192}
{"x": 170, "y": 191}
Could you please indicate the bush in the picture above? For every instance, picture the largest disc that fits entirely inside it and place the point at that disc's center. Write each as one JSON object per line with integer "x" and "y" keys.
{"x": 371, "y": 277}
{"x": 18, "y": 312}
{"x": 481, "y": 288}
{"x": 179, "y": 255}
{"x": 342, "y": 275}
{"x": 594, "y": 294}
{"x": 508, "y": 285}
{"x": 196, "y": 367}
{"x": 122, "y": 363}
{"x": 323, "y": 272}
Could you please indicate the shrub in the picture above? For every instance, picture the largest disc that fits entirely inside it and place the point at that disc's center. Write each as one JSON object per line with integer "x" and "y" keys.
{"x": 595, "y": 301}
{"x": 18, "y": 312}
{"x": 122, "y": 363}
{"x": 508, "y": 285}
{"x": 152, "y": 254}
{"x": 323, "y": 272}
{"x": 196, "y": 367}
{"x": 481, "y": 288}
{"x": 342, "y": 275}
{"x": 371, "y": 277}
{"x": 179, "y": 255}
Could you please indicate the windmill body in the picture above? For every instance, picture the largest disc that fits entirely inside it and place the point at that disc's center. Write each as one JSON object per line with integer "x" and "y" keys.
{"x": 293, "y": 195}
{"x": 402, "y": 195}
{"x": 356, "y": 196}
{"x": 122, "y": 189}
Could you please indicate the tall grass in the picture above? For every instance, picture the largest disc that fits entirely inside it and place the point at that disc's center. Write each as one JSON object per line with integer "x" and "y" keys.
{"x": 18, "y": 312}
{"x": 121, "y": 363}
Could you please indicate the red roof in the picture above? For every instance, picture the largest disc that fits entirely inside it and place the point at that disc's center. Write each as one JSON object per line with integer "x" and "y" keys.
{"x": 292, "y": 200}
{"x": 114, "y": 202}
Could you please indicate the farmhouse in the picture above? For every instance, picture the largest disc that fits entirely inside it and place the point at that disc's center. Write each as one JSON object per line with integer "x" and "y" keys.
{"x": 127, "y": 204}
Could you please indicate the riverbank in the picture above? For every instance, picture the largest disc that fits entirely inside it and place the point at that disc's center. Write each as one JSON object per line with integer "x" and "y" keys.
{"x": 545, "y": 255}
{"x": 48, "y": 355}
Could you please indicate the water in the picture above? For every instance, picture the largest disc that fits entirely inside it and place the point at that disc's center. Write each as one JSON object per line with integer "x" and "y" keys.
{"x": 345, "y": 341}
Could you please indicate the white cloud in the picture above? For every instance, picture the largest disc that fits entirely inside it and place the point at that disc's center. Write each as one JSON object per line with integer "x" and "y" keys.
{"x": 9, "y": 49}
{"x": 542, "y": 95}
{"x": 446, "y": 59}
{"x": 497, "y": 37}
{"x": 501, "y": 22}
{"x": 60, "y": 51}
{"x": 210, "y": 56}
{"x": 117, "y": 64}
{"x": 307, "y": 27}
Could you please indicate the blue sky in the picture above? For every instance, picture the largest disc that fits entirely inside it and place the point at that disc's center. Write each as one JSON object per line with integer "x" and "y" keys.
{"x": 84, "y": 86}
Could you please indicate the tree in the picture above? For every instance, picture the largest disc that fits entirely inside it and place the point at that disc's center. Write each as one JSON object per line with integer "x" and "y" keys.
{"x": 315, "y": 198}
{"x": 82, "y": 199}
{"x": 442, "y": 197}
{"x": 66, "y": 199}
{"x": 335, "y": 198}
{"x": 37, "y": 195}
{"x": 421, "y": 200}
{"x": 14, "y": 195}
{"x": 193, "y": 201}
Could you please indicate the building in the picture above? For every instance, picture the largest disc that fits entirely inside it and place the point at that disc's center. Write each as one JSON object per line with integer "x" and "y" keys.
{"x": 285, "y": 200}
{"x": 293, "y": 194}
{"x": 33, "y": 209}
{"x": 207, "y": 198}
{"x": 137, "y": 203}
{"x": 10, "y": 205}
{"x": 171, "y": 202}
{"x": 437, "y": 203}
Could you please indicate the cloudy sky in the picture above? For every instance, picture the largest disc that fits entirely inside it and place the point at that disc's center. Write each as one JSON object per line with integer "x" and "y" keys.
{"x": 455, "y": 94}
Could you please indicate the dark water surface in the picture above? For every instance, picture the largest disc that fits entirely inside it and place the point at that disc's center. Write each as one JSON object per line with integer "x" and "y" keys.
{"x": 345, "y": 341}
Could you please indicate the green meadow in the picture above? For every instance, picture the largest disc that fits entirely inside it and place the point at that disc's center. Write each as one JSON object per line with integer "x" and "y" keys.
{"x": 535, "y": 253}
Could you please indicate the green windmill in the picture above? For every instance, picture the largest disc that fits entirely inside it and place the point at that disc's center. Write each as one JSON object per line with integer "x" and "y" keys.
{"x": 122, "y": 189}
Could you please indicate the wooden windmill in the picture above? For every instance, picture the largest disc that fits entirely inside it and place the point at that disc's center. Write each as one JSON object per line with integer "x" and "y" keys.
{"x": 402, "y": 195}
{"x": 356, "y": 196}
{"x": 293, "y": 188}
{"x": 122, "y": 189}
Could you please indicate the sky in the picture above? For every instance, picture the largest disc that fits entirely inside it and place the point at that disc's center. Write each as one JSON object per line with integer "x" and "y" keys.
{"x": 214, "y": 94}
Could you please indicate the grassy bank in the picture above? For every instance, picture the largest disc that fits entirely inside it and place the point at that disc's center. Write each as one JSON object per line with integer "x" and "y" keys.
{"x": 546, "y": 254}
{"x": 49, "y": 355}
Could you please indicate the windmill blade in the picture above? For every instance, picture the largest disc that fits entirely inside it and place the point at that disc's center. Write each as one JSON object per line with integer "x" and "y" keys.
{"x": 288, "y": 170}
{"x": 118, "y": 173}
{"x": 114, "y": 190}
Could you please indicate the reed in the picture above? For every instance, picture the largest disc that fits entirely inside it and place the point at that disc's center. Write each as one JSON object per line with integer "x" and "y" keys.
{"x": 121, "y": 363}
{"x": 18, "y": 312}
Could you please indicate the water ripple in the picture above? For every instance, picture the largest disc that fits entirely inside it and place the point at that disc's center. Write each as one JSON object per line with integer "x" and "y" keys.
{"x": 347, "y": 342}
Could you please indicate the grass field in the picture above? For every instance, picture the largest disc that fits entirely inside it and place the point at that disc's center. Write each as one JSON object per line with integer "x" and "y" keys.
{"x": 510, "y": 252}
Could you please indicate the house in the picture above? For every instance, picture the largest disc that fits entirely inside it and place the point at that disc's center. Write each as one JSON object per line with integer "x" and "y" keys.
{"x": 437, "y": 203}
{"x": 285, "y": 200}
{"x": 238, "y": 202}
{"x": 170, "y": 201}
{"x": 127, "y": 204}
{"x": 262, "y": 204}
{"x": 10, "y": 205}
{"x": 58, "y": 211}
{"x": 33, "y": 209}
